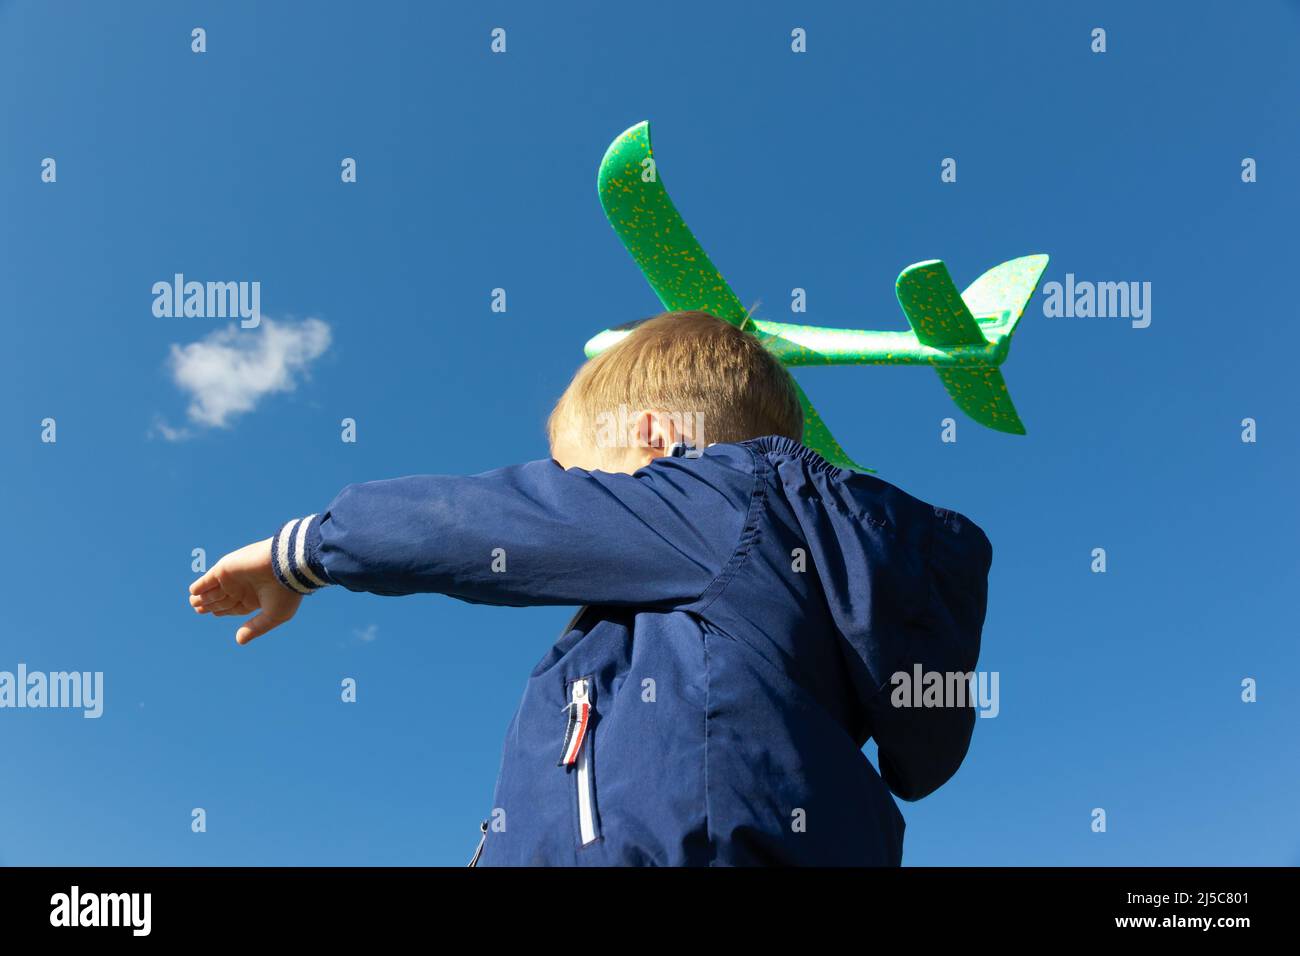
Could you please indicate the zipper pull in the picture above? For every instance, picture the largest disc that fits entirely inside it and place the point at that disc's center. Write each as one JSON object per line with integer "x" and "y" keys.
{"x": 575, "y": 731}
{"x": 478, "y": 851}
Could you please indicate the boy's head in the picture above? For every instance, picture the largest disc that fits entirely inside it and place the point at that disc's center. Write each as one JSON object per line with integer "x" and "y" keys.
{"x": 680, "y": 376}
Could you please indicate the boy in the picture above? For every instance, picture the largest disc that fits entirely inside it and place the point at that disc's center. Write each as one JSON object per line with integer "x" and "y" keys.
{"x": 744, "y": 607}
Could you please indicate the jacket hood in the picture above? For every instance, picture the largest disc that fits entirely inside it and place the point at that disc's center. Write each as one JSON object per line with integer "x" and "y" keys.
{"x": 907, "y": 585}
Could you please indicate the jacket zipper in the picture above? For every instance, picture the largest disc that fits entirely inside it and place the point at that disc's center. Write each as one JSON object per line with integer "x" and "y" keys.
{"x": 478, "y": 851}
{"x": 577, "y": 755}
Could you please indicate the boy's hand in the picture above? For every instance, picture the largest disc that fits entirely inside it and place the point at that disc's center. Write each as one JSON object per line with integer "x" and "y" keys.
{"x": 242, "y": 582}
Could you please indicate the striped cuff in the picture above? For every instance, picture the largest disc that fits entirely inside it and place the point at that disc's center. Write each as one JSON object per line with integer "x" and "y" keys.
{"x": 293, "y": 556}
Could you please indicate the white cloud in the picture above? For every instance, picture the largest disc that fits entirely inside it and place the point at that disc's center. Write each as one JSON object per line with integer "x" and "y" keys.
{"x": 166, "y": 431}
{"x": 229, "y": 371}
{"x": 368, "y": 635}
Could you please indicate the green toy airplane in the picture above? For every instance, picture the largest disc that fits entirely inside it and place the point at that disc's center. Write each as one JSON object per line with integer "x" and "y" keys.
{"x": 964, "y": 336}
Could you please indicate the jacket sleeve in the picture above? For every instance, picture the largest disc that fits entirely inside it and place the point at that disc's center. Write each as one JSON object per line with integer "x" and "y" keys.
{"x": 528, "y": 534}
{"x": 921, "y": 747}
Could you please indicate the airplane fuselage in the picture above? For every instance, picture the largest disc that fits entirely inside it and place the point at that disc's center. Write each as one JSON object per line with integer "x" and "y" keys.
{"x": 817, "y": 345}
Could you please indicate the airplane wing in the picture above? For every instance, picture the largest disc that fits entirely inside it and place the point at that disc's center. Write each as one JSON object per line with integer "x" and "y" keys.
{"x": 674, "y": 263}
{"x": 819, "y": 438}
{"x": 648, "y": 224}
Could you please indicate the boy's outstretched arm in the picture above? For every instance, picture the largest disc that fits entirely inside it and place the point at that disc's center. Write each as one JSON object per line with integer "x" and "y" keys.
{"x": 524, "y": 535}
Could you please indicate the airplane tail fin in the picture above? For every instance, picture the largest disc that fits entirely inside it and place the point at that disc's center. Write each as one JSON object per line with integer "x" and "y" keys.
{"x": 998, "y": 297}
{"x": 981, "y": 392}
{"x": 988, "y": 311}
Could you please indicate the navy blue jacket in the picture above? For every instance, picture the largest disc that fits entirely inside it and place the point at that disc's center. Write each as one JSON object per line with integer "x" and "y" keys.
{"x": 743, "y": 613}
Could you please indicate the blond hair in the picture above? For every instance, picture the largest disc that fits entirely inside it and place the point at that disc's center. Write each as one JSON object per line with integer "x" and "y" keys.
{"x": 689, "y": 364}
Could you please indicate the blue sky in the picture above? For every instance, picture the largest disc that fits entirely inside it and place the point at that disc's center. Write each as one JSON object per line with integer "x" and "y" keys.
{"x": 1118, "y": 690}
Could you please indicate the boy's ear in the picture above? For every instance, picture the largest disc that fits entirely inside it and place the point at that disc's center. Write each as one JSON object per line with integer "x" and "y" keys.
{"x": 655, "y": 434}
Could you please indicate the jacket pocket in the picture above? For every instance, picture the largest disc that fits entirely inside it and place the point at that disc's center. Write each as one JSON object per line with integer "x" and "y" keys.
{"x": 576, "y": 756}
